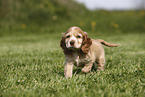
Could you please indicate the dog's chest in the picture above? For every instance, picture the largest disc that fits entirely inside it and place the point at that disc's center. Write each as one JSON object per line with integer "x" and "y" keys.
{"x": 82, "y": 60}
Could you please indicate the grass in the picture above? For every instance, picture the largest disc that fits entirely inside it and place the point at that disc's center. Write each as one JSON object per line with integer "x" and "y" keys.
{"x": 32, "y": 65}
{"x": 31, "y": 60}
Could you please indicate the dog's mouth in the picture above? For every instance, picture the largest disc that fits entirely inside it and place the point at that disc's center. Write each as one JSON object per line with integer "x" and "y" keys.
{"x": 72, "y": 47}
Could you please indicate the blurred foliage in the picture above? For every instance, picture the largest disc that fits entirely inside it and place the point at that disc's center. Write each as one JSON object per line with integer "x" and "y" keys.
{"x": 38, "y": 11}
{"x": 115, "y": 21}
{"x": 49, "y": 16}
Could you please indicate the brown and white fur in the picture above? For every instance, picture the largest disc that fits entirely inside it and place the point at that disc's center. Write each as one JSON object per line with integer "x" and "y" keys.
{"x": 82, "y": 51}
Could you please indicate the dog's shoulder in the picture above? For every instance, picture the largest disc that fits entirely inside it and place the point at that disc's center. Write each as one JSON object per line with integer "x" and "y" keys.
{"x": 96, "y": 47}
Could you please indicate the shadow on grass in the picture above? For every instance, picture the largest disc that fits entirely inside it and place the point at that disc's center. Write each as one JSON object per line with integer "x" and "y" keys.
{"x": 77, "y": 71}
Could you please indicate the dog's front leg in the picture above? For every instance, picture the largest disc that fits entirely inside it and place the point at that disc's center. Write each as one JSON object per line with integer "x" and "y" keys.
{"x": 68, "y": 69}
{"x": 87, "y": 67}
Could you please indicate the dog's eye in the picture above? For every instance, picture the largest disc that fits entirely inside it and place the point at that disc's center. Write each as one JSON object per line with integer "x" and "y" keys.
{"x": 68, "y": 36}
{"x": 78, "y": 36}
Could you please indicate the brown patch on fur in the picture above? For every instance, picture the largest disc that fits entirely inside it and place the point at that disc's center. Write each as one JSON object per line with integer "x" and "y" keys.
{"x": 86, "y": 44}
{"x": 63, "y": 46}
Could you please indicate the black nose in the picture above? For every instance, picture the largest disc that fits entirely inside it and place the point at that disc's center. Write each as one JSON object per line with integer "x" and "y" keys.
{"x": 72, "y": 42}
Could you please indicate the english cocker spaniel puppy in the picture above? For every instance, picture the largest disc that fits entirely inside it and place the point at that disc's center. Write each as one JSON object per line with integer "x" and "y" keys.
{"x": 82, "y": 51}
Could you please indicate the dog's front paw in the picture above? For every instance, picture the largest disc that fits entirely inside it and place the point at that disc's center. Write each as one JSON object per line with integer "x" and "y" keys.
{"x": 85, "y": 70}
{"x": 100, "y": 69}
{"x": 68, "y": 75}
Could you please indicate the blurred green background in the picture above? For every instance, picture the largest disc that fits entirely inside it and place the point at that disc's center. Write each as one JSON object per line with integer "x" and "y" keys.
{"x": 49, "y": 16}
{"x": 17, "y": 15}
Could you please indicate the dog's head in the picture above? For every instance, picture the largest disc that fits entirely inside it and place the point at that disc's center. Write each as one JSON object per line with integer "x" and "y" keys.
{"x": 75, "y": 39}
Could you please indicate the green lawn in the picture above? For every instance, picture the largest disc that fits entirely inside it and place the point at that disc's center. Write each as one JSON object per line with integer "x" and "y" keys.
{"x": 32, "y": 62}
{"x": 32, "y": 65}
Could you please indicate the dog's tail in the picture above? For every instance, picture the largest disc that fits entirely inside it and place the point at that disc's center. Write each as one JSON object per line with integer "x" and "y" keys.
{"x": 106, "y": 43}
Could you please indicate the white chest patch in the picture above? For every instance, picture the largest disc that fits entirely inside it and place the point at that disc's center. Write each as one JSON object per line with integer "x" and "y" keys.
{"x": 77, "y": 60}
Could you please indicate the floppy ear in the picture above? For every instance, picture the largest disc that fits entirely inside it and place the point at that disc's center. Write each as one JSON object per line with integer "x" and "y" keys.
{"x": 62, "y": 43}
{"x": 63, "y": 46}
{"x": 86, "y": 44}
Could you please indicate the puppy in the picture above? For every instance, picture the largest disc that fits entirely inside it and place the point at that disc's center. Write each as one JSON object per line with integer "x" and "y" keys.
{"x": 82, "y": 51}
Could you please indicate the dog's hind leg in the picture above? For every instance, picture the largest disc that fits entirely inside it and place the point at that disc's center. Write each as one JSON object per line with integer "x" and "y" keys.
{"x": 101, "y": 64}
